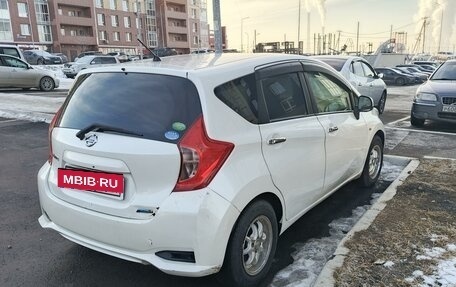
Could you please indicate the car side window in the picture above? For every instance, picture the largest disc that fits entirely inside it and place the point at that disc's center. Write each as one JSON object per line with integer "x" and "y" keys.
{"x": 330, "y": 95}
{"x": 96, "y": 61}
{"x": 357, "y": 69}
{"x": 14, "y": 63}
{"x": 11, "y": 52}
{"x": 368, "y": 72}
{"x": 284, "y": 96}
{"x": 108, "y": 60}
{"x": 241, "y": 96}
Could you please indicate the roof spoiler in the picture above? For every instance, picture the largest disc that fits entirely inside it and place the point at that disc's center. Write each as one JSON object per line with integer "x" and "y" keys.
{"x": 155, "y": 57}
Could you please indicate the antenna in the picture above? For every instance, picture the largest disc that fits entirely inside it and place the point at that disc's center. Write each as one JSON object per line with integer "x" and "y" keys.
{"x": 155, "y": 57}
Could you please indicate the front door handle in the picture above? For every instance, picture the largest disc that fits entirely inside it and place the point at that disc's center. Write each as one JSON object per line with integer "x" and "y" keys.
{"x": 333, "y": 129}
{"x": 276, "y": 141}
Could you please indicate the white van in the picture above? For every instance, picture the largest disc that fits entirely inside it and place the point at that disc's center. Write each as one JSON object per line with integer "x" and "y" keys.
{"x": 12, "y": 51}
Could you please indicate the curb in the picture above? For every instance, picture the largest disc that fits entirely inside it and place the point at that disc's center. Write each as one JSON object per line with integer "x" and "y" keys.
{"x": 326, "y": 279}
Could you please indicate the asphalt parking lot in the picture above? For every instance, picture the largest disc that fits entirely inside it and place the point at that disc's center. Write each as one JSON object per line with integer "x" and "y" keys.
{"x": 32, "y": 256}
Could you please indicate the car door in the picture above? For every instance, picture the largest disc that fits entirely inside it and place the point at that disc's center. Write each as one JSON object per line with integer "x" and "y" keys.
{"x": 21, "y": 74}
{"x": 374, "y": 84}
{"x": 346, "y": 136}
{"x": 5, "y": 73}
{"x": 292, "y": 138}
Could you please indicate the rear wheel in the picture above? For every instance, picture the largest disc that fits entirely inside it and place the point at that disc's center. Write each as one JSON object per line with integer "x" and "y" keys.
{"x": 47, "y": 84}
{"x": 416, "y": 121}
{"x": 251, "y": 247}
{"x": 374, "y": 162}
{"x": 400, "y": 81}
{"x": 381, "y": 103}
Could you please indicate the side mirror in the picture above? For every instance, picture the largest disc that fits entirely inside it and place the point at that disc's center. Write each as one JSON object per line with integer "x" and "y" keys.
{"x": 364, "y": 104}
{"x": 380, "y": 76}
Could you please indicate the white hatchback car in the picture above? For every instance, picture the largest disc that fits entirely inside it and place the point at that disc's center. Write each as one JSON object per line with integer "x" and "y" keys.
{"x": 196, "y": 164}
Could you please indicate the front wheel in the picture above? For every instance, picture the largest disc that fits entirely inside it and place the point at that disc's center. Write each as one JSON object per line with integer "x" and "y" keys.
{"x": 251, "y": 247}
{"x": 373, "y": 164}
{"x": 47, "y": 84}
{"x": 381, "y": 103}
{"x": 416, "y": 121}
{"x": 400, "y": 81}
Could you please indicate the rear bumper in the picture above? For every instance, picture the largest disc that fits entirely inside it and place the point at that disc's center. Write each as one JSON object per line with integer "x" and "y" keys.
{"x": 198, "y": 222}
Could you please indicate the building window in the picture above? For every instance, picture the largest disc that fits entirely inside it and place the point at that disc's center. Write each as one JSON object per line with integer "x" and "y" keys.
{"x": 73, "y": 33}
{"x": 22, "y": 9}
{"x": 195, "y": 27}
{"x": 127, "y": 22}
{"x": 102, "y": 35}
{"x": 3, "y": 5}
{"x": 5, "y": 30}
{"x": 193, "y": 13}
{"x": 128, "y": 37}
{"x": 99, "y": 4}
{"x": 62, "y": 31}
{"x": 113, "y": 4}
{"x": 115, "y": 20}
{"x": 125, "y": 5}
{"x": 116, "y": 36}
{"x": 195, "y": 40}
{"x": 101, "y": 19}
{"x": 60, "y": 11}
{"x": 25, "y": 29}
{"x": 71, "y": 13}
{"x": 194, "y": 3}
{"x": 44, "y": 33}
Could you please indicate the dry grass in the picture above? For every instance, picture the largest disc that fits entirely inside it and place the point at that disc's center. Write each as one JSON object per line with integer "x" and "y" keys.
{"x": 425, "y": 205}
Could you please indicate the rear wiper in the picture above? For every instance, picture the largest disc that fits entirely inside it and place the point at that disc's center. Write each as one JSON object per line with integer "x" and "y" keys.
{"x": 103, "y": 128}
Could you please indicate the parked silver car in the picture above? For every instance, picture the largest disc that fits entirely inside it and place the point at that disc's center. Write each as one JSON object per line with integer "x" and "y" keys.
{"x": 15, "y": 73}
{"x": 361, "y": 75}
{"x": 436, "y": 99}
{"x": 72, "y": 69}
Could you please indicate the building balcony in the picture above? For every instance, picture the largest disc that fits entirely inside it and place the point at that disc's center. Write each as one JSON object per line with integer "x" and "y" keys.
{"x": 176, "y": 15}
{"x": 79, "y": 3}
{"x": 78, "y": 40}
{"x": 77, "y": 21}
{"x": 179, "y": 2}
{"x": 177, "y": 29}
{"x": 178, "y": 44}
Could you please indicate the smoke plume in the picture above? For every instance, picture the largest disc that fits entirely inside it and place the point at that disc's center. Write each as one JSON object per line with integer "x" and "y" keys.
{"x": 321, "y": 7}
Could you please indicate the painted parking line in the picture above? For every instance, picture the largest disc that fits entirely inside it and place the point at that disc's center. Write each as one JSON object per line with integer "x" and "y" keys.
{"x": 437, "y": 157}
{"x": 399, "y": 120}
{"x": 420, "y": 131}
{"x": 8, "y": 121}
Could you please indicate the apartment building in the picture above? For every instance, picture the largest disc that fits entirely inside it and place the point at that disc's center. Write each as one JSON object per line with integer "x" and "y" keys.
{"x": 182, "y": 25}
{"x": 70, "y": 26}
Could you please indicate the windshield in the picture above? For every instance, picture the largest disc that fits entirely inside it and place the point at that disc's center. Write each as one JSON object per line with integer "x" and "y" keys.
{"x": 157, "y": 107}
{"x": 446, "y": 72}
{"x": 84, "y": 60}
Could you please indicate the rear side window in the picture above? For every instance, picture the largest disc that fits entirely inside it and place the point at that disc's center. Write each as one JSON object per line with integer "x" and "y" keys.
{"x": 108, "y": 60}
{"x": 159, "y": 107}
{"x": 241, "y": 96}
{"x": 10, "y": 51}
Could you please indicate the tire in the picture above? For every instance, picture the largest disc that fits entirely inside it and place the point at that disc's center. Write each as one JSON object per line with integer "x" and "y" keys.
{"x": 416, "y": 122}
{"x": 40, "y": 61}
{"x": 373, "y": 164}
{"x": 47, "y": 84}
{"x": 381, "y": 103}
{"x": 400, "y": 81}
{"x": 251, "y": 268}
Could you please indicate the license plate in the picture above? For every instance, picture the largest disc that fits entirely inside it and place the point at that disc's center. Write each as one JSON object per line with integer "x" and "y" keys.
{"x": 449, "y": 109}
{"x": 105, "y": 183}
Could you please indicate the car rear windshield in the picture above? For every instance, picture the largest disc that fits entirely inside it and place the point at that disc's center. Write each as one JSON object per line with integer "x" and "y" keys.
{"x": 158, "y": 107}
{"x": 337, "y": 64}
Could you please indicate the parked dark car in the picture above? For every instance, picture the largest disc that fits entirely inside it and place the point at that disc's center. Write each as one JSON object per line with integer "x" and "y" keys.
{"x": 62, "y": 56}
{"x": 436, "y": 99}
{"x": 392, "y": 77}
{"x": 418, "y": 78}
{"x": 40, "y": 57}
{"x": 163, "y": 52}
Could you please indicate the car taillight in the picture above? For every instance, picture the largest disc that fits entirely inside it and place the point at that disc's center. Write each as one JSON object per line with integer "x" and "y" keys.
{"x": 51, "y": 127}
{"x": 201, "y": 157}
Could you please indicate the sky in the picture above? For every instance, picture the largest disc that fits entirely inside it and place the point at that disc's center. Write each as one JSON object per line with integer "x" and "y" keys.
{"x": 278, "y": 20}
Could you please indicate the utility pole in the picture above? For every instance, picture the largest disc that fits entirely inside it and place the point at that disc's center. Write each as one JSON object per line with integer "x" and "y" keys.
{"x": 357, "y": 39}
{"x": 391, "y": 33}
{"x": 217, "y": 26}
{"x": 299, "y": 24}
{"x": 242, "y": 33}
{"x": 424, "y": 33}
{"x": 138, "y": 21}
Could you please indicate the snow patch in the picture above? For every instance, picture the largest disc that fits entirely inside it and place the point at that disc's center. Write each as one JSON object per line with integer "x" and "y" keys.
{"x": 388, "y": 264}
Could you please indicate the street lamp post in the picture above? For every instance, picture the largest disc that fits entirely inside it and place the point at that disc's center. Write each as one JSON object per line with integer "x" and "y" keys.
{"x": 242, "y": 32}
{"x": 248, "y": 41}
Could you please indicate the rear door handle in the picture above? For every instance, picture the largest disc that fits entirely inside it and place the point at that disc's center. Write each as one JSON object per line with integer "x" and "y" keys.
{"x": 333, "y": 129}
{"x": 276, "y": 141}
